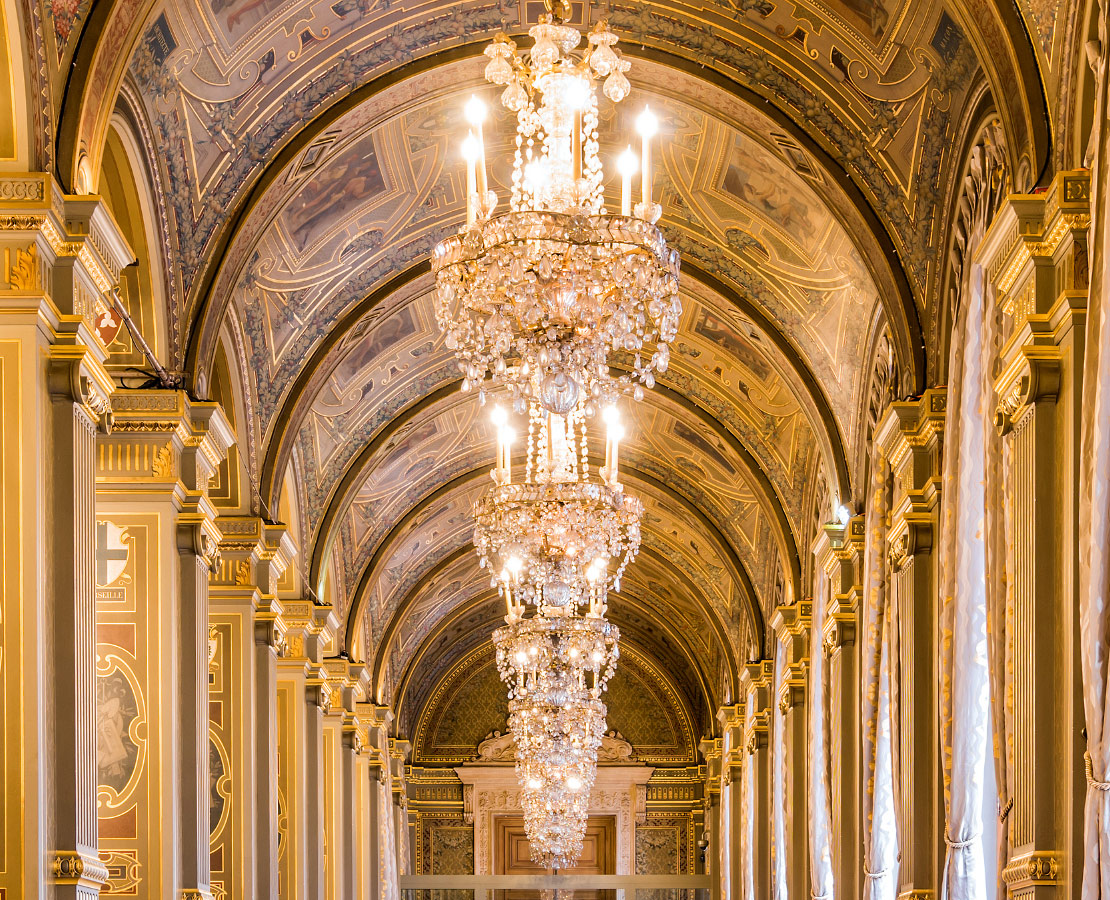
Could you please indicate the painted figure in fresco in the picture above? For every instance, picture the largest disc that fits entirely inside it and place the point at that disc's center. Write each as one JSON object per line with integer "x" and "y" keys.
{"x": 873, "y": 13}
{"x": 233, "y": 12}
{"x": 760, "y": 181}
{"x": 115, "y": 750}
{"x": 339, "y": 186}
{"x": 215, "y": 798}
{"x": 720, "y": 332}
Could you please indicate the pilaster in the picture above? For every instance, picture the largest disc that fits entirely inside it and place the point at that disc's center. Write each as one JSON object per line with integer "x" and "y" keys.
{"x": 838, "y": 552}
{"x": 156, "y": 545}
{"x": 304, "y": 698}
{"x": 909, "y": 436}
{"x": 382, "y": 843}
{"x": 248, "y": 636}
{"x": 62, "y": 256}
{"x": 1035, "y": 255}
{"x": 791, "y": 627}
{"x": 717, "y": 858}
{"x": 730, "y": 753}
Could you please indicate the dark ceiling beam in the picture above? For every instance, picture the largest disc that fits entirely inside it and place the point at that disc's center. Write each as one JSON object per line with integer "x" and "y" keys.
{"x": 901, "y": 310}
{"x": 399, "y": 616}
{"x": 342, "y": 494}
{"x": 739, "y": 572}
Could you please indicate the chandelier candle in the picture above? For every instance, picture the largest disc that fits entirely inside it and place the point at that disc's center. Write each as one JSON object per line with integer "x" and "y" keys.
{"x": 534, "y": 300}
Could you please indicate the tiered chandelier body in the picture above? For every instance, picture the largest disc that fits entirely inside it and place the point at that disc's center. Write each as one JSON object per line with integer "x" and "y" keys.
{"x": 534, "y": 302}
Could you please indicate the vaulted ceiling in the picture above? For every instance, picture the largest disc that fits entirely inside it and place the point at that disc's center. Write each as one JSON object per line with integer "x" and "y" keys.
{"x": 304, "y": 157}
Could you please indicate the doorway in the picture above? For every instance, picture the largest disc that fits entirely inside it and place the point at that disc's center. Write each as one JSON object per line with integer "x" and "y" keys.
{"x": 512, "y": 856}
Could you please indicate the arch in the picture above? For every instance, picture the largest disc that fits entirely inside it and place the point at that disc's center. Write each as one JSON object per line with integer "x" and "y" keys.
{"x": 297, "y": 401}
{"x": 739, "y": 573}
{"x": 901, "y": 306}
{"x": 432, "y": 639}
{"x": 353, "y": 477}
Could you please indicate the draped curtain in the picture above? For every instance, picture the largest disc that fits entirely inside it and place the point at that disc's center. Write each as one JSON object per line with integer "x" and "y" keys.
{"x": 880, "y": 838}
{"x": 964, "y": 675}
{"x": 747, "y": 812}
{"x": 387, "y": 844}
{"x": 998, "y": 522}
{"x": 1094, "y": 499}
{"x": 820, "y": 829}
{"x": 778, "y": 783}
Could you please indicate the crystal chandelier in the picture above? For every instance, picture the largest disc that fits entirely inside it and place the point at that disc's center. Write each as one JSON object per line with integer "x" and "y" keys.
{"x": 556, "y": 537}
{"x": 535, "y": 299}
{"x": 556, "y": 668}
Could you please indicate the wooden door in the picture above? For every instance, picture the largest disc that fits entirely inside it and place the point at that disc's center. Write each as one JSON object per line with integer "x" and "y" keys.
{"x": 513, "y": 856}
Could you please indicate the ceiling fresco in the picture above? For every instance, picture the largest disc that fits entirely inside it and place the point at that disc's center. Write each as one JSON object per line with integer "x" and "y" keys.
{"x": 438, "y": 524}
{"x": 307, "y": 158}
{"x": 720, "y": 361}
{"x": 227, "y": 83}
{"x": 376, "y": 199}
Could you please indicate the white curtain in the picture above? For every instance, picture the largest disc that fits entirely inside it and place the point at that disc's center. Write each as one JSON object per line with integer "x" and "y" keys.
{"x": 779, "y": 886}
{"x": 727, "y": 815}
{"x": 965, "y": 718}
{"x": 387, "y": 844}
{"x": 747, "y": 812}
{"x": 880, "y": 843}
{"x": 820, "y": 828}
{"x": 1094, "y": 500}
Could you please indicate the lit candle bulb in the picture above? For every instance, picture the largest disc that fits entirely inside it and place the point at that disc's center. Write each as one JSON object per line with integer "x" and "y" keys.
{"x": 508, "y": 588}
{"x": 612, "y": 444}
{"x": 627, "y": 164}
{"x": 476, "y": 116}
{"x": 505, "y": 440}
{"x": 647, "y": 125}
{"x": 470, "y": 154}
{"x": 500, "y": 421}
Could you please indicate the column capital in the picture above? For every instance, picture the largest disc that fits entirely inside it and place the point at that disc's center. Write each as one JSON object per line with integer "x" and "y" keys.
{"x": 79, "y": 868}
{"x": 163, "y": 439}
{"x": 1048, "y": 229}
{"x": 63, "y": 244}
{"x": 912, "y": 428}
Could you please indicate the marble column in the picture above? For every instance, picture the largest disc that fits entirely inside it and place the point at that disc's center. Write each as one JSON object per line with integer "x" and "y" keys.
{"x": 249, "y": 636}
{"x": 62, "y": 256}
{"x": 791, "y": 627}
{"x": 731, "y": 753}
{"x": 756, "y": 683}
{"x": 303, "y": 698}
{"x": 838, "y": 551}
{"x": 909, "y": 436}
{"x": 1035, "y": 256}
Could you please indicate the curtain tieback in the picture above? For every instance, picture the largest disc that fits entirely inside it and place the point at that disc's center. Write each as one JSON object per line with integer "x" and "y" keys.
{"x": 882, "y": 873}
{"x": 959, "y": 845}
{"x": 1088, "y": 770}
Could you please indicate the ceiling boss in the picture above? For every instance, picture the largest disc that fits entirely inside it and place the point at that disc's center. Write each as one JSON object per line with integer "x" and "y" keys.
{"x": 538, "y": 302}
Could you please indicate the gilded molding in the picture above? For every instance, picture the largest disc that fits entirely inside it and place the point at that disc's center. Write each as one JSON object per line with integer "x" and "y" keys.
{"x": 1032, "y": 377}
{"x": 75, "y": 867}
{"x": 1037, "y": 867}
